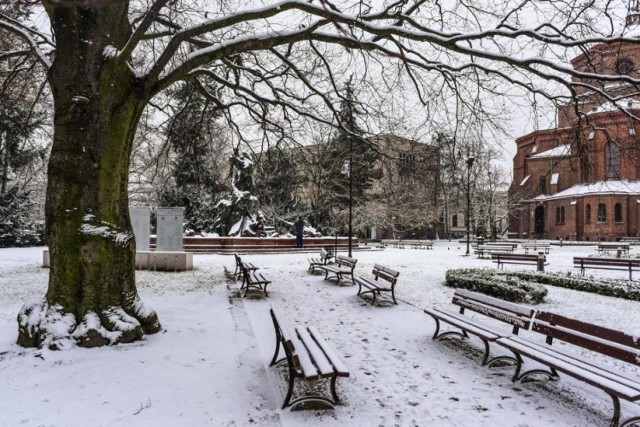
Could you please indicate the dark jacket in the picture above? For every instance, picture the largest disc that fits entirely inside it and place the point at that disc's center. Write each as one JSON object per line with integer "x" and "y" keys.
{"x": 298, "y": 226}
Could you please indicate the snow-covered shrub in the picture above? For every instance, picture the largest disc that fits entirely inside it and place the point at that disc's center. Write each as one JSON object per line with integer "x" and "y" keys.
{"x": 613, "y": 288}
{"x": 496, "y": 283}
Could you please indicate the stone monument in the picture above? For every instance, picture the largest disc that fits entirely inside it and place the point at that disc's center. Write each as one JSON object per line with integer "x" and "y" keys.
{"x": 141, "y": 223}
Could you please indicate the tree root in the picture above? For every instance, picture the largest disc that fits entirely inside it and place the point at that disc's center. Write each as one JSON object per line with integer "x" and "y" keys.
{"x": 41, "y": 324}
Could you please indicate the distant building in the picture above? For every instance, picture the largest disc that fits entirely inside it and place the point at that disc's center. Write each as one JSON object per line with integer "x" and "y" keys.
{"x": 580, "y": 181}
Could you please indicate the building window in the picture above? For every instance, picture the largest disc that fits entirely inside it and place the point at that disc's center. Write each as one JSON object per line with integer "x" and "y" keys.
{"x": 407, "y": 163}
{"x": 562, "y": 215}
{"x": 543, "y": 185}
{"x": 602, "y": 212}
{"x": 587, "y": 214}
{"x": 617, "y": 212}
{"x": 612, "y": 160}
{"x": 454, "y": 220}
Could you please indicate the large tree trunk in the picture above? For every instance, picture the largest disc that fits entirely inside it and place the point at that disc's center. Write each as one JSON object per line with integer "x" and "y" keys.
{"x": 92, "y": 298}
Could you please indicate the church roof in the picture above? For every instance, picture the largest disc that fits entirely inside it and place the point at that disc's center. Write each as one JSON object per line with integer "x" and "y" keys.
{"x": 597, "y": 188}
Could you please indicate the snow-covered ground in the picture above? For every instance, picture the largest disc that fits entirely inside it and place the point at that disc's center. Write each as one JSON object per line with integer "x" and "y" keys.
{"x": 209, "y": 366}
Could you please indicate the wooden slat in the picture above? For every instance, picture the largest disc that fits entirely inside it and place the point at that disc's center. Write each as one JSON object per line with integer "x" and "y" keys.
{"x": 570, "y": 368}
{"x": 306, "y": 364}
{"x": 329, "y": 351}
{"x": 323, "y": 365}
{"x": 286, "y": 335}
{"x": 590, "y": 365}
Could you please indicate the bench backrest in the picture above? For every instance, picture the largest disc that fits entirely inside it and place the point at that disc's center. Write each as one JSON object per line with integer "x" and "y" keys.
{"x": 633, "y": 262}
{"x": 386, "y": 273}
{"x": 602, "y": 340}
{"x": 495, "y": 247}
{"x": 514, "y": 314}
{"x": 346, "y": 261}
{"x": 238, "y": 260}
{"x": 515, "y": 257}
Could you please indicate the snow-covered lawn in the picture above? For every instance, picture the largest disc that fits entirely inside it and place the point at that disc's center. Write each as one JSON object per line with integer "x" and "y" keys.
{"x": 209, "y": 366}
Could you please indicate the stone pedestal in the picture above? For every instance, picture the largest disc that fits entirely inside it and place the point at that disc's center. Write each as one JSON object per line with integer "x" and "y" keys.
{"x": 164, "y": 261}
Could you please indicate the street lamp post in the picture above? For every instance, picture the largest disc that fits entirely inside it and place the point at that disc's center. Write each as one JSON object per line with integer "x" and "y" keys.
{"x": 350, "y": 192}
{"x": 492, "y": 235}
{"x": 469, "y": 162}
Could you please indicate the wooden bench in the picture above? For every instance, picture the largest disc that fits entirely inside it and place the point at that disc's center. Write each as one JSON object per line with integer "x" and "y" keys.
{"x": 324, "y": 259}
{"x": 630, "y": 239}
{"x": 546, "y": 247}
{"x": 607, "y": 342}
{"x": 481, "y": 250}
{"x": 343, "y": 267}
{"x": 239, "y": 264}
{"x": 308, "y": 357}
{"x": 506, "y": 258}
{"x": 251, "y": 279}
{"x": 607, "y": 264}
{"x": 613, "y": 247}
{"x": 421, "y": 244}
{"x": 376, "y": 286}
{"x": 517, "y": 316}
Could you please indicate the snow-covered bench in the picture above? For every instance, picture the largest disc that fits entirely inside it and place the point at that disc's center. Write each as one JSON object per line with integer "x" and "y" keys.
{"x": 239, "y": 266}
{"x": 501, "y": 259}
{"x": 518, "y": 316}
{"x": 384, "y": 281}
{"x": 536, "y": 247}
{"x": 343, "y": 267}
{"x": 324, "y": 259}
{"x": 421, "y": 244}
{"x": 309, "y": 357}
{"x": 251, "y": 279}
{"x": 481, "y": 250}
{"x": 581, "y": 336}
{"x": 605, "y": 248}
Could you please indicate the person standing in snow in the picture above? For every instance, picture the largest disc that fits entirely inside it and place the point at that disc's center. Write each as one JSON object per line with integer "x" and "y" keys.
{"x": 298, "y": 227}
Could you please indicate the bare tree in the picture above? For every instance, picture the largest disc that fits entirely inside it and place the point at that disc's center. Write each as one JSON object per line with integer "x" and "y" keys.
{"x": 276, "y": 65}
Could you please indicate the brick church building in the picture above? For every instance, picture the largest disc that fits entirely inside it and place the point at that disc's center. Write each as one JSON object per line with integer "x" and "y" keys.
{"x": 581, "y": 180}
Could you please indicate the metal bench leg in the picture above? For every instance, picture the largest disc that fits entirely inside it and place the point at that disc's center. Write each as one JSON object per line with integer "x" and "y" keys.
{"x": 393, "y": 295}
{"x": 616, "y": 411}
{"x": 630, "y": 422}
{"x": 336, "y": 400}
{"x": 287, "y": 399}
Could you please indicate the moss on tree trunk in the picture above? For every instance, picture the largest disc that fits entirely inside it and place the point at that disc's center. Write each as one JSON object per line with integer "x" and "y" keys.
{"x": 92, "y": 298}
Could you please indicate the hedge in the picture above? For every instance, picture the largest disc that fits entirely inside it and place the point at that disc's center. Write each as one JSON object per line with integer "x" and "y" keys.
{"x": 527, "y": 286}
{"x": 497, "y": 284}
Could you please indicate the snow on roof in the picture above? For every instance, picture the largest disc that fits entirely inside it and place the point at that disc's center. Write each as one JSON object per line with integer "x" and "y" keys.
{"x": 601, "y": 187}
{"x": 559, "y": 151}
{"x": 609, "y": 107}
{"x": 554, "y": 178}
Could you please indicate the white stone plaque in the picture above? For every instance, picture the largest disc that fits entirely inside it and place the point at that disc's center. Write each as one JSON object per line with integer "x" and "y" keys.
{"x": 170, "y": 229}
{"x": 141, "y": 223}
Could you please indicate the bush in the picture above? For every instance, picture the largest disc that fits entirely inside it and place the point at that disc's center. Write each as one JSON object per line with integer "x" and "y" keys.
{"x": 496, "y": 283}
{"x": 526, "y": 286}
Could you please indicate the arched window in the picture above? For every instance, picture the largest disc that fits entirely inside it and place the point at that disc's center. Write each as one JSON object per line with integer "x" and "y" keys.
{"x": 612, "y": 160}
{"x": 602, "y": 212}
{"x": 454, "y": 220}
{"x": 562, "y": 215}
{"x": 617, "y": 212}
{"x": 587, "y": 214}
